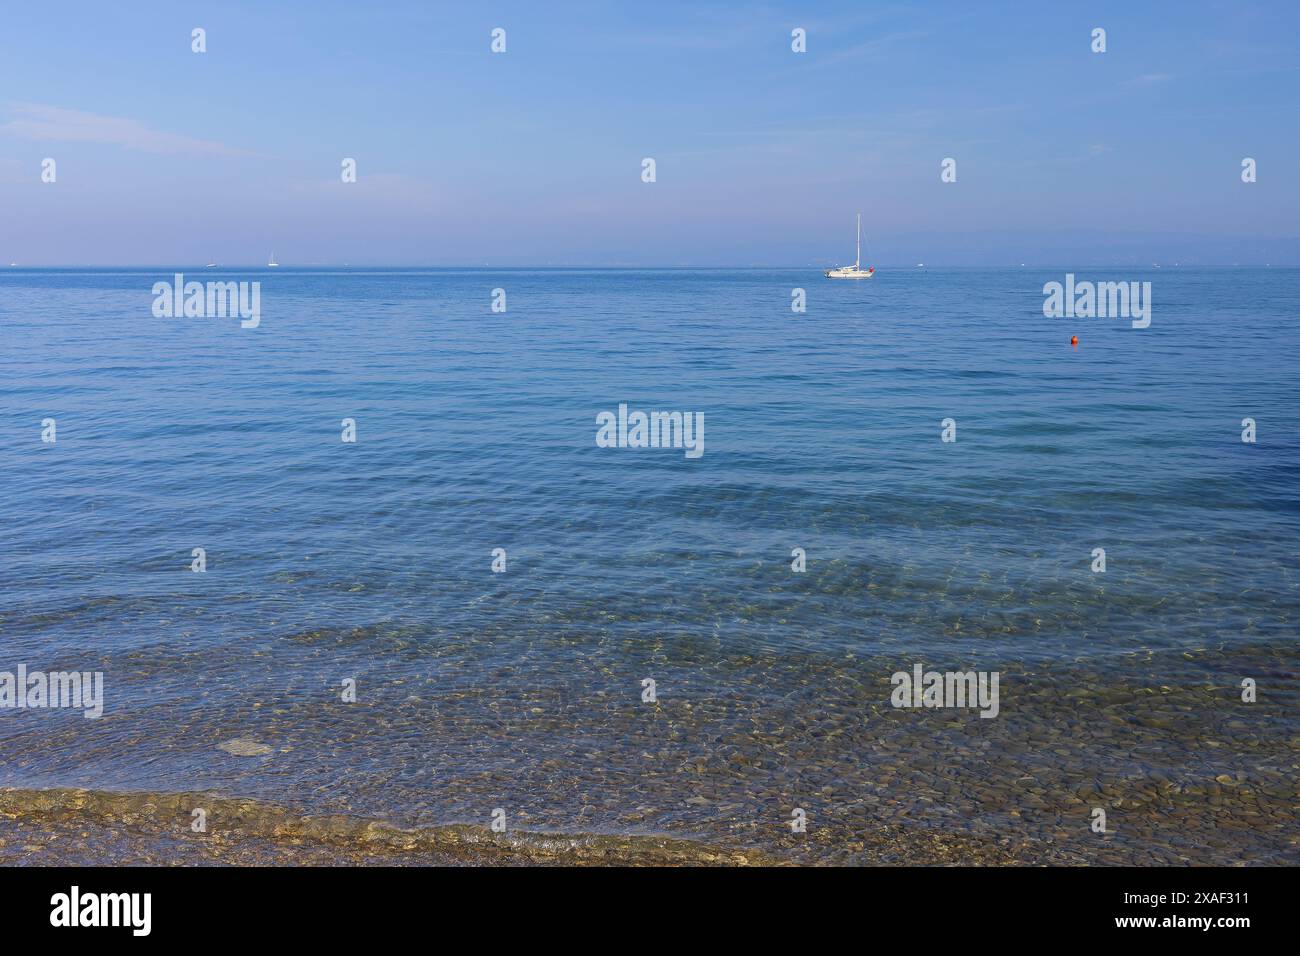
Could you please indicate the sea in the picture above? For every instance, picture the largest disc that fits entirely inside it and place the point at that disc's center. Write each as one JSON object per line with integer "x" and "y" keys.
{"x": 365, "y": 568}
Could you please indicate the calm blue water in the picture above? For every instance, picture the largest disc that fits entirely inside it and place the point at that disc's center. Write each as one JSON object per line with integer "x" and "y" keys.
{"x": 477, "y": 430}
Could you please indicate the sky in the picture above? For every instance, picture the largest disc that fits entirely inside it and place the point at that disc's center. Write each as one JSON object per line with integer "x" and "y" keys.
{"x": 763, "y": 156}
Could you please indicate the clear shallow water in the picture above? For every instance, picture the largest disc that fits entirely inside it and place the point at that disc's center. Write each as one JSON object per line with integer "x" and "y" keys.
{"x": 523, "y": 690}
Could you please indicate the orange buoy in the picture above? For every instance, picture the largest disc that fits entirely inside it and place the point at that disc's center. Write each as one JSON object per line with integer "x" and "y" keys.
{"x": 1074, "y": 340}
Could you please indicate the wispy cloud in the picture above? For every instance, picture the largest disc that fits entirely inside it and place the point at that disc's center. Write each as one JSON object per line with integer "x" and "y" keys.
{"x": 55, "y": 124}
{"x": 869, "y": 49}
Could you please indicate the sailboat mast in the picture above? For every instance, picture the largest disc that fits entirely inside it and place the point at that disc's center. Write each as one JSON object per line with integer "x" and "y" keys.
{"x": 857, "y": 264}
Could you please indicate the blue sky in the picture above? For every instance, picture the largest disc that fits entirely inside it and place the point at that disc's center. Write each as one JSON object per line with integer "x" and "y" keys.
{"x": 534, "y": 156}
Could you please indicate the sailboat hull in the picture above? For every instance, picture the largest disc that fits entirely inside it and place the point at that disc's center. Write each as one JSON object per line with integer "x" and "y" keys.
{"x": 854, "y": 271}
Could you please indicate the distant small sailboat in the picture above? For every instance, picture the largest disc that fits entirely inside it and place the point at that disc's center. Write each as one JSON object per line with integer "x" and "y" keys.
{"x": 210, "y": 265}
{"x": 854, "y": 271}
{"x": 272, "y": 264}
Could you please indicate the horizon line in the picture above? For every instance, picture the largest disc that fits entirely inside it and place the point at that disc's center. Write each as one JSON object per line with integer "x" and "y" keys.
{"x": 680, "y": 267}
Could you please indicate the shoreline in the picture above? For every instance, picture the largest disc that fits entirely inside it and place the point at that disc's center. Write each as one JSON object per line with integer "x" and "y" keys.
{"x": 65, "y": 826}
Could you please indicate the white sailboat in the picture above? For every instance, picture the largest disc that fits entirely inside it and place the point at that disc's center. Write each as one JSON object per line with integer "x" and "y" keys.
{"x": 854, "y": 271}
{"x": 272, "y": 264}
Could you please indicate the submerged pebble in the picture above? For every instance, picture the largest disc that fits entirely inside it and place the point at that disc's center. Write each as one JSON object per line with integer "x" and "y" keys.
{"x": 244, "y": 747}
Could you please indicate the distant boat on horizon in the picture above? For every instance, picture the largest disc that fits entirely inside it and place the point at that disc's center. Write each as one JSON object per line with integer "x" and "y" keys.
{"x": 273, "y": 264}
{"x": 854, "y": 271}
